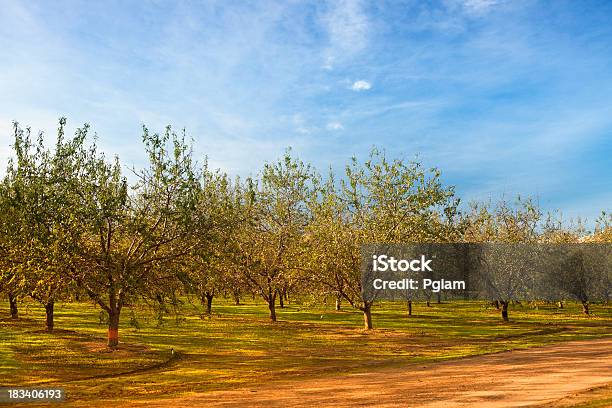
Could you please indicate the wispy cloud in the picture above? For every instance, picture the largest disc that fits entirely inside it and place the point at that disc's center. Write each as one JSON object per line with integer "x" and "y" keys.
{"x": 361, "y": 85}
{"x": 478, "y": 6}
{"x": 303, "y": 130}
{"x": 347, "y": 26}
{"x": 334, "y": 126}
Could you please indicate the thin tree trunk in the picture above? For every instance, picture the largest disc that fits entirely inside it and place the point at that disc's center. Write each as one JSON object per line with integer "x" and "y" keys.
{"x": 13, "y": 306}
{"x": 49, "y": 314}
{"x": 428, "y": 304}
{"x": 367, "y": 317}
{"x": 162, "y": 304}
{"x": 560, "y": 304}
{"x": 281, "y": 301}
{"x": 496, "y": 304}
{"x": 207, "y": 300}
{"x": 237, "y": 297}
{"x": 439, "y": 298}
{"x": 113, "y": 327}
{"x": 585, "y": 308}
{"x": 338, "y": 302}
{"x": 272, "y": 305}
{"x": 504, "y": 311}
{"x": 410, "y": 308}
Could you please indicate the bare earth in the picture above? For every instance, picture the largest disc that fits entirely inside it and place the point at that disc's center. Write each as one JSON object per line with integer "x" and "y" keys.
{"x": 531, "y": 377}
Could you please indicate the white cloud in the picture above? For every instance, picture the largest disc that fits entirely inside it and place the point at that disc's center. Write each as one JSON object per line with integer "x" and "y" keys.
{"x": 334, "y": 126}
{"x": 361, "y": 85}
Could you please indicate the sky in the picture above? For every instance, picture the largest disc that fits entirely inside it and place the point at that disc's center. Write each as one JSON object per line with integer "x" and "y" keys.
{"x": 504, "y": 97}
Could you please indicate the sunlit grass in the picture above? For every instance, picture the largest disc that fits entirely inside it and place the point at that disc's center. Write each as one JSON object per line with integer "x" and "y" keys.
{"x": 238, "y": 345}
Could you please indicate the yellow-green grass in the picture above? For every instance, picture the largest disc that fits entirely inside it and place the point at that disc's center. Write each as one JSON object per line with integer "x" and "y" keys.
{"x": 238, "y": 345}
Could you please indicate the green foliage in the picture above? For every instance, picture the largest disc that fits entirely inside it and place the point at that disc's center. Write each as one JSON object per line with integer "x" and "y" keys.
{"x": 72, "y": 224}
{"x": 379, "y": 201}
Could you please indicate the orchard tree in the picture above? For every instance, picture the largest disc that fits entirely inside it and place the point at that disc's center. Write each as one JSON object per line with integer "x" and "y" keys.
{"x": 44, "y": 183}
{"x": 503, "y": 223}
{"x": 506, "y": 272}
{"x": 556, "y": 231}
{"x": 580, "y": 271}
{"x": 138, "y": 236}
{"x": 380, "y": 201}
{"x": 209, "y": 269}
{"x": 10, "y": 245}
{"x": 331, "y": 256}
{"x": 274, "y": 214}
{"x": 603, "y": 229}
{"x": 603, "y": 234}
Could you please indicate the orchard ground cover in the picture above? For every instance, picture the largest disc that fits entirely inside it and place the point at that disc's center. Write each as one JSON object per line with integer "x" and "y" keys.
{"x": 238, "y": 346}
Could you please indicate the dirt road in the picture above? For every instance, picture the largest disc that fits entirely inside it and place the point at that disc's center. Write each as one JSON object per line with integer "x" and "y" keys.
{"x": 519, "y": 378}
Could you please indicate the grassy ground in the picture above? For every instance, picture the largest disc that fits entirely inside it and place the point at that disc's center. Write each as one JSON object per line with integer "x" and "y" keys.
{"x": 238, "y": 345}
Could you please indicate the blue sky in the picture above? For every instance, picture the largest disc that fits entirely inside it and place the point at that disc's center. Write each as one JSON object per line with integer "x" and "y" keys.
{"x": 505, "y": 97}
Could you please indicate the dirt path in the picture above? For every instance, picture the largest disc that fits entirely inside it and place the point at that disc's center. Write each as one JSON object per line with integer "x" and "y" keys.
{"x": 519, "y": 378}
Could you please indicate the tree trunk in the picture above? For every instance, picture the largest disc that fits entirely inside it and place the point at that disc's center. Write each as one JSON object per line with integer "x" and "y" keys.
{"x": 367, "y": 317}
{"x": 585, "y": 308}
{"x": 439, "y": 298}
{"x": 162, "y": 303}
{"x": 504, "y": 311}
{"x": 496, "y": 304}
{"x": 272, "y": 306}
{"x": 428, "y": 304}
{"x": 207, "y": 300}
{"x": 560, "y": 304}
{"x": 281, "y": 301}
{"x": 410, "y": 308}
{"x": 338, "y": 302}
{"x": 13, "y": 306}
{"x": 113, "y": 327}
{"x": 236, "y": 298}
{"x": 49, "y": 314}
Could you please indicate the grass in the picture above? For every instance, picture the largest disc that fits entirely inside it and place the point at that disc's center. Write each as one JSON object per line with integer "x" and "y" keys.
{"x": 238, "y": 345}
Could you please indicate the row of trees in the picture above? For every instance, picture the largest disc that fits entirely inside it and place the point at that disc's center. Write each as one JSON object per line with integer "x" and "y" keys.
{"x": 72, "y": 224}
